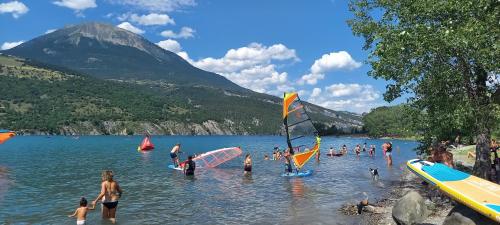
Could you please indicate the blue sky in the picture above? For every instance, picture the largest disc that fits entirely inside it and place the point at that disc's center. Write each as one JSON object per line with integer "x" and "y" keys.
{"x": 269, "y": 46}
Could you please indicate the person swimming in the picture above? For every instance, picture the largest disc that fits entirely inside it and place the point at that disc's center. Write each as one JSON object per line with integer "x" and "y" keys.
{"x": 266, "y": 157}
{"x": 332, "y": 151}
{"x": 81, "y": 212}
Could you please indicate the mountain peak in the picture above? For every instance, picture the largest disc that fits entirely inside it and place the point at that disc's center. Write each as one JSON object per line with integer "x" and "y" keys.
{"x": 105, "y": 51}
{"x": 103, "y": 33}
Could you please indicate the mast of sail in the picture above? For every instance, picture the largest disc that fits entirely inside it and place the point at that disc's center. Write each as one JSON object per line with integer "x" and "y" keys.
{"x": 299, "y": 129}
{"x": 286, "y": 104}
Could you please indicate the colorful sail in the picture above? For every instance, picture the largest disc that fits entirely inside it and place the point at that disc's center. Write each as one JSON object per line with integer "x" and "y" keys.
{"x": 214, "y": 158}
{"x": 302, "y": 137}
{"x": 146, "y": 144}
{"x": 6, "y": 135}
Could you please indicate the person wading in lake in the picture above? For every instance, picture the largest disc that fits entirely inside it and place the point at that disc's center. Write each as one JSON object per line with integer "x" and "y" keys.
{"x": 387, "y": 147}
{"x": 110, "y": 193}
{"x": 189, "y": 166}
{"x": 288, "y": 161}
{"x": 357, "y": 150}
{"x": 247, "y": 165}
{"x": 174, "y": 154}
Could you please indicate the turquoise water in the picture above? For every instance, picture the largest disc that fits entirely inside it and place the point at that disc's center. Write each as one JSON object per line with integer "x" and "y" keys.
{"x": 42, "y": 179}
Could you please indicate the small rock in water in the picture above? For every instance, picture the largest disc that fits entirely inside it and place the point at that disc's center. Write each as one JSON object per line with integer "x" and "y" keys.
{"x": 410, "y": 209}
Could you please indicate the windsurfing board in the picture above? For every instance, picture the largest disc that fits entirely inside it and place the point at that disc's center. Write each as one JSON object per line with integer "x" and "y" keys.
{"x": 299, "y": 174}
{"x": 481, "y": 195}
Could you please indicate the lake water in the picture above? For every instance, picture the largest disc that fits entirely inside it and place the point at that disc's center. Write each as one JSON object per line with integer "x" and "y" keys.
{"x": 42, "y": 179}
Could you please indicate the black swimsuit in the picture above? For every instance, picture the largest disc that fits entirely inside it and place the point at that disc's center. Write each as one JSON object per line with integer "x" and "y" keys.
{"x": 110, "y": 205}
{"x": 248, "y": 168}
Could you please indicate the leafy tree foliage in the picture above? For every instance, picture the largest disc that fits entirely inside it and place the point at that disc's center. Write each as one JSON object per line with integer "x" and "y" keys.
{"x": 445, "y": 53}
{"x": 393, "y": 121}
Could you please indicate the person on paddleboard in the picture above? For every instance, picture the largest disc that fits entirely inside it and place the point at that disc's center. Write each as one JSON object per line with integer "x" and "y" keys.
{"x": 174, "y": 154}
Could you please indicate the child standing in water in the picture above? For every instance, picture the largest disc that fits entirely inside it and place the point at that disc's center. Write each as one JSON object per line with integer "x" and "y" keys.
{"x": 81, "y": 212}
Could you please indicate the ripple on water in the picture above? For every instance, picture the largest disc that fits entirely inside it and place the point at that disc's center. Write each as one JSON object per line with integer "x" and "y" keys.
{"x": 42, "y": 180}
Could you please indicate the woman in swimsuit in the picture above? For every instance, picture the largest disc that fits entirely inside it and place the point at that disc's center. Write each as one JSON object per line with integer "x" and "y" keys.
{"x": 110, "y": 193}
{"x": 247, "y": 166}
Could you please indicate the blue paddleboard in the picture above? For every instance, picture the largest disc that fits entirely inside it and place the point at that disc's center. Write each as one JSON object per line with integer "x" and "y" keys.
{"x": 174, "y": 168}
{"x": 299, "y": 174}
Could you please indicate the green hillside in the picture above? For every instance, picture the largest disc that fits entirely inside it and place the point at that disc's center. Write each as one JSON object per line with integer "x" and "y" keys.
{"x": 95, "y": 78}
{"x": 46, "y": 100}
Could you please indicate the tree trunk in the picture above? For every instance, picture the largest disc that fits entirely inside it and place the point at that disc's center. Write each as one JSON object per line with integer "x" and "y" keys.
{"x": 482, "y": 167}
{"x": 481, "y": 100}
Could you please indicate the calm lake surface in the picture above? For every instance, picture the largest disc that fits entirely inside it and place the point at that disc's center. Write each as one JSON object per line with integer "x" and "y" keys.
{"x": 42, "y": 179}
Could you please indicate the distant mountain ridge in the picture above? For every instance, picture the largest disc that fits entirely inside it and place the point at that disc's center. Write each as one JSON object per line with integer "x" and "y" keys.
{"x": 176, "y": 97}
{"x": 108, "y": 52}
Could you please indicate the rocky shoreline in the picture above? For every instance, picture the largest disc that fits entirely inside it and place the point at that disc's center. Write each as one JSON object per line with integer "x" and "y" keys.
{"x": 439, "y": 209}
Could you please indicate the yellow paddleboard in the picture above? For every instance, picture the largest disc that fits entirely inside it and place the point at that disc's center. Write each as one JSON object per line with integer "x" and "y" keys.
{"x": 474, "y": 192}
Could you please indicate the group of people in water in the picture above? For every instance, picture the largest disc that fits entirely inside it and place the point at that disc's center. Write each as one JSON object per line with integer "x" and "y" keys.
{"x": 109, "y": 195}
{"x": 111, "y": 192}
{"x": 343, "y": 150}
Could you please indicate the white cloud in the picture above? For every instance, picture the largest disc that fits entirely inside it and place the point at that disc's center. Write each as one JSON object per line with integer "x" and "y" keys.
{"x": 185, "y": 32}
{"x": 327, "y": 63}
{"x": 50, "y": 31}
{"x": 254, "y": 54}
{"x": 184, "y": 55}
{"x": 152, "y": 19}
{"x": 130, "y": 27}
{"x": 253, "y": 66}
{"x": 334, "y": 60}
{"x": 316, "y": 92}
{"x": 351, "y": 97}
{"x": 77, "y": 5}
{"x": 311, "y": 78}
{"x": 156, "y": 5}
{"x": 170, "y": 45}
{"x": 9, "y": 45}
{"x": 16, "y": 8}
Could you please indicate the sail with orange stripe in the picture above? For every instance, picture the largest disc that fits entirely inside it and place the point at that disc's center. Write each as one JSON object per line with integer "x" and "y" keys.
{"x": 6, "y": 135}
{"x": 302, "y": 137}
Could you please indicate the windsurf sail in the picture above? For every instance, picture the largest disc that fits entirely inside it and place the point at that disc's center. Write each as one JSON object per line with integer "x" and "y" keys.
{"x": 301, "y": 136}
{"x": 146, "y": 144}
{"x": 6, "y": 135}
{"x": 214, "y": 158}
